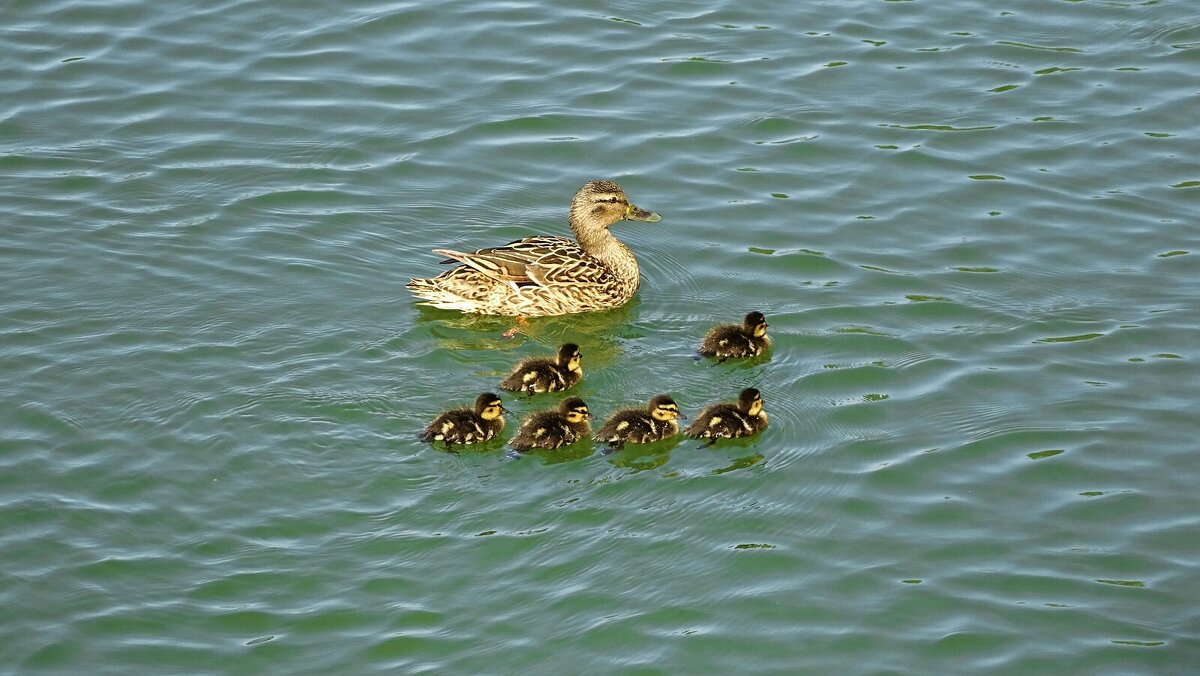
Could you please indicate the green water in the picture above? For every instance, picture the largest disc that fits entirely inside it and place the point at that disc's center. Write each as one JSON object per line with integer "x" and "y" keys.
{"x": 973, "y": 227}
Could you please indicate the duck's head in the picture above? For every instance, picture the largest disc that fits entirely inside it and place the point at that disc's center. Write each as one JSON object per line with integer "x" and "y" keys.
{"x": 755, "y": 324}
{"x": 664, "y": 408}
{"x": 602, "y": 203}
{"x": 750, "y": 402}
{"x": 570, "y": 358}
{"x": 574, "y": 410}
{"x": 488, "y": 406}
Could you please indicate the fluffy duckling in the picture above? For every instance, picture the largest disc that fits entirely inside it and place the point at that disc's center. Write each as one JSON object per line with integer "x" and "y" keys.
{"x": 546, "y": 374}
{"x": 554, "y": 428}
{"x": 641, "y": 426}
{"x": 467, "y": 426}
{"x": 726, "y": 420}
{"x": 748, "y": 339}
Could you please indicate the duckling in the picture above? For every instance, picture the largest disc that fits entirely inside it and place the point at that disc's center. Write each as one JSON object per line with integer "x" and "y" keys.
{"x": 749, "y": 339}
{"x": 641, "y": 426}
{"x": 467, "y": 426}
{"x": 554, "y": 428}
{"x": 546, "y": 374}
{"x": 725, "y": 420}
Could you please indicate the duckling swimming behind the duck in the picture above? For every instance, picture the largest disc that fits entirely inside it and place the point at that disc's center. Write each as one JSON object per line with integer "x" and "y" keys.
{"x": 545, "y": 374}
{"x": 554, "y": 428}
{"x": 467, "y": 426}
{"x": 748, "y": 339}
{"x": 725, "y": 420}
{"x": 641, "y": 426}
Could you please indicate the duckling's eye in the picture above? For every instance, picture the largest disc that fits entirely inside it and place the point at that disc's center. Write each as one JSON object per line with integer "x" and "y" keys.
{"x": 612, "y": 200}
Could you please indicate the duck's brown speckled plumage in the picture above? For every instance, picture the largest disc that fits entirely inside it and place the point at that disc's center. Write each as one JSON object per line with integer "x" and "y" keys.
{"x": 546, "y": 275}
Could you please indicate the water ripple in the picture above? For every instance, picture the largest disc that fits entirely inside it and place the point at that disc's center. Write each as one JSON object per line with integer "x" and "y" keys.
{"x": 967, "y": 244}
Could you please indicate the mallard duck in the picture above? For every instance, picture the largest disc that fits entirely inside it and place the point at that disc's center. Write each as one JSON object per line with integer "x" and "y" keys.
{"x": 546, "y": 275}
{"x": 554, "y": 428}
{"x": 468, "y": 426}
{"x": 641, "y": 426}
{"x": 546, "y": 374}
{"x": 748, "y": 339}
{"x": 728, "y": 420}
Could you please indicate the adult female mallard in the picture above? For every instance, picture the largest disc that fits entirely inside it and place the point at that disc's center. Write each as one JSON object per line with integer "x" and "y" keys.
{"x": 547, "y": 275}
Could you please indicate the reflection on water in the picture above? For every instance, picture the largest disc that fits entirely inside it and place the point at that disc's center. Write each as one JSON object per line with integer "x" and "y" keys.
{"x": 598, "y": 334}
{"x": 741, "y": 463}
{"x": 642, "y": 457}
{"x": 555, "y": 456}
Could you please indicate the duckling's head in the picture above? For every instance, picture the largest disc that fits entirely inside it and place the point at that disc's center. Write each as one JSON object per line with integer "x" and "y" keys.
{"x": 755, "y": 324}
{"x": 488, "y": 406}
{"x": 570, "y": 358}
{"x": 664, "y": 408}
{"x": 750, "y": 402}
{"x": 574, "y": 410}
{"x": 602, "y": 203}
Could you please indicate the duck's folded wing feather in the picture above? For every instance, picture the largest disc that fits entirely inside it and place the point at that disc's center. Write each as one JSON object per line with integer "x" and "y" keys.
{"x": 534, "y": 260}
{"x": 560, "y": 270}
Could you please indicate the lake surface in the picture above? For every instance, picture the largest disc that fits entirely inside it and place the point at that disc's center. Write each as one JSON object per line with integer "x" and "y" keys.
{"x": 974, "y": 228}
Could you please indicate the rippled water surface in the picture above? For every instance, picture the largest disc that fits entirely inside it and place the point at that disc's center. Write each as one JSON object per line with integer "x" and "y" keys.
{"x": 973, "y": 227}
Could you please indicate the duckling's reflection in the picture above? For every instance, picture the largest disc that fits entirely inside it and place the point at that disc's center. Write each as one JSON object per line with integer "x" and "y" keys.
{"x": 741, "y": 463}
{"x": 581, "y": 450}
{"x": 641, "y": 457}
{"x": 598, "y": 334}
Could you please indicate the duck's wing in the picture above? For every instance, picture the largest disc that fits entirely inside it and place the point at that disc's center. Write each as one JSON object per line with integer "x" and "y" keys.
{"x": 544, "y": 260}
{"x": 574, "y": 267}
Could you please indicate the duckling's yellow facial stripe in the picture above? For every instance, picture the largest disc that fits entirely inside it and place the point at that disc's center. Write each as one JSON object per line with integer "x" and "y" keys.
{"x": 492, "y": 412}
{"x": 577, "y": 416}
{"x": 756, "y": 407}
{"x": 665, "y": 413}
{"x": 760, "y": 330}
{"x": 574, "y": 363}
